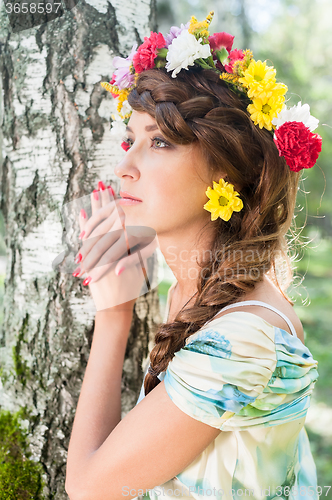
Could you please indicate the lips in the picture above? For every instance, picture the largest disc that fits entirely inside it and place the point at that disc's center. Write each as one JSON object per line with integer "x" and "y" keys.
{"x": 124, "y": 194}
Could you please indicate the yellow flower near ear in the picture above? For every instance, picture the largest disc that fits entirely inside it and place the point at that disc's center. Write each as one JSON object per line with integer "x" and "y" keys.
{"x": 223, "y": 200}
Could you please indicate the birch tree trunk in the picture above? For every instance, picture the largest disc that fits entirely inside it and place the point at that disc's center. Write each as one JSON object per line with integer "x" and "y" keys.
{"x": 56, "y": 147}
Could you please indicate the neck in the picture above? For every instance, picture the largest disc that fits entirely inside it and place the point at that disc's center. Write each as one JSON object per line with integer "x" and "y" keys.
{"x": 181, "y": 255}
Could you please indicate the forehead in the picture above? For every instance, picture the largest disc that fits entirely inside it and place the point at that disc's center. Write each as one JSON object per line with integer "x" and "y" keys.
{"x": 142, "y": 120}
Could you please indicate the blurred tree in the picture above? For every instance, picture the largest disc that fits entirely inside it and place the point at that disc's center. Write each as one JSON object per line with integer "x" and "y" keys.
{"x": 228, "y": 16}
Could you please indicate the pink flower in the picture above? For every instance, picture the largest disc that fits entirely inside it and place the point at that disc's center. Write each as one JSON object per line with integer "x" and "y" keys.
{"x": 220, "y": 41}
{"x": 298, "y": 145}
{"x": 234, "y": 55}
{"x": 175, "y": 32}
{"x": 122, "y": 76}
{"x": 148, "y": 51}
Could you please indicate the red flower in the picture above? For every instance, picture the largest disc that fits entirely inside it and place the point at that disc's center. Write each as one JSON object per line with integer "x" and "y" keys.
{"x": 234, "y": 55}
{"x": 111, "y": 82}
{"x": 221, "y": 40}
{"x": 147, "y": 52}
{"x": 125, "y": 145}
{"x": 298, "y": 145}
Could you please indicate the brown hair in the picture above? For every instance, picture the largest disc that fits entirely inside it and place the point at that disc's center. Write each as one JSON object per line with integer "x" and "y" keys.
{"x": 198, "y": 106}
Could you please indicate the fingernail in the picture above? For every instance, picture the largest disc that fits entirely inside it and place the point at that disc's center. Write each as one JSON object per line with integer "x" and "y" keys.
{"x": 95, "y": 194}
{"x": 111, "y": 189}
{"x": 120, "y": 270}
{"x": 77, "y": 272}
{"x": 87, "y": 280}
{"x": 81, "y": 235}
{"x": 83, "y": 213}
{"x": 101, "y": 185}
{"x": 78, "y": 258}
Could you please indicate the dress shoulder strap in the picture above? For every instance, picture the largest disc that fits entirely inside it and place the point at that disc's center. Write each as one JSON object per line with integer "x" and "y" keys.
{"x": 260, "y": 303}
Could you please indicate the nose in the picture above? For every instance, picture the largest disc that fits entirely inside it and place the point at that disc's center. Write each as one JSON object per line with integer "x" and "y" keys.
{"x": 126, "y": 167}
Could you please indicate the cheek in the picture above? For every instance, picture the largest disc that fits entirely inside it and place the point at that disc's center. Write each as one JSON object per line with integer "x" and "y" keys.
{"x": 161, "y": 188}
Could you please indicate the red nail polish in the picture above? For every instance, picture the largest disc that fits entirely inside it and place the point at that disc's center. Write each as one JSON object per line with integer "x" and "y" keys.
{"x": 101, "y": 185}
{"x": 77, "y": 272}
{"x": 81, "y": 235}
{"x": 78, "y": 258}
{"x": 83, "y": 213}
{"x": 111, "y": 189}
{"x": 95, "y": 194}
{"x": 121, "y": 269}
{"x": 87, "y": 280}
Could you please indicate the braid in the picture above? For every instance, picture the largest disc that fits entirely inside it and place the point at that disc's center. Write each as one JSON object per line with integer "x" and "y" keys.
{"x": 199, "y": 107}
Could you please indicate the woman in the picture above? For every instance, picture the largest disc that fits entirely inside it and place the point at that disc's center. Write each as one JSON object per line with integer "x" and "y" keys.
{"x": 214, "y": 156}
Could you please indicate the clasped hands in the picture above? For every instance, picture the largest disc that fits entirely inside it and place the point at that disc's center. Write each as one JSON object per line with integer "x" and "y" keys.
{"x": 113, "y": 257}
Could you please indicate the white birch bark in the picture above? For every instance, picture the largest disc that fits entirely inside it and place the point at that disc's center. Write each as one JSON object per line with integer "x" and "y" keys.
{"x": 56, "y": 145}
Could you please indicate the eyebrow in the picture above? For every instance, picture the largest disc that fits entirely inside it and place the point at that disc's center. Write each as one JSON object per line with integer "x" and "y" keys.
{"x": 148, "y": 128}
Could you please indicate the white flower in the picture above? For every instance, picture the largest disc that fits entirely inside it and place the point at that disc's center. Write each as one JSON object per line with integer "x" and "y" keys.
{"x": 297, "y": 113}
{"x": 118, "y": 128}
{"x": 126, "y": 108}
{"x": 183, "y": 51}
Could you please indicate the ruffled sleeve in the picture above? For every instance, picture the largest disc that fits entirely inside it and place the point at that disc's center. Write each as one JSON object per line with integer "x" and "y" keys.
{"x": 222, "y": 368}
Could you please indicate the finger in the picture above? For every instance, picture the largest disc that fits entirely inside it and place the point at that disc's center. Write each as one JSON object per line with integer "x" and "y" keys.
{"x": 95, "y": 200}
{"x": 113, "y": 243}
{"x": 109, "y": 260}
{"x": 82, "y": 222}
{"x": 139, "y": 256}
{"x": 98, "y": 272}
{"x": 105, "y": 194}
{"x": 120, "y": 210}
{"x": 97, "y": 218}
{"x": 105, "y": 227}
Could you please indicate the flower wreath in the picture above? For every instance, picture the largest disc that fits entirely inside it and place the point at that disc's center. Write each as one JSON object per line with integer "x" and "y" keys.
{"x": 191, "y": 45}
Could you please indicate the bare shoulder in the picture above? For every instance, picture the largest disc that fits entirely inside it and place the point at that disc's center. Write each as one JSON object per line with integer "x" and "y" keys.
{"x": 267, "y": 292}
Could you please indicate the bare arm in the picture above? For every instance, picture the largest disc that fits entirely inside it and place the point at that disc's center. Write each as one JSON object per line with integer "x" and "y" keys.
{"x": 107, "y": 455}
{"x": 99, "y": 406}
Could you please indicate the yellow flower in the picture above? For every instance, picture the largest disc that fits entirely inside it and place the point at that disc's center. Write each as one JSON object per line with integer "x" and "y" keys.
{"x": 199, "y": 29}
{"x": 223, "y": 200}
{"x": 110, "y": 88}
{"x": 121, "y": 98}
{"x": 271, "y": 89}
{"x": 259, "y": 79}
{"x": 262, "y": 111}
{"x": 229, "y": 77}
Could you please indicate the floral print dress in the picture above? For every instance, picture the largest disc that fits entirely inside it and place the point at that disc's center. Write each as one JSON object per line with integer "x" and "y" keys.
{"x": 253, "y": 381}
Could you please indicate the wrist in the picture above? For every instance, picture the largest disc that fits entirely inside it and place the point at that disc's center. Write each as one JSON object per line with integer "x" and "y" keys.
{"x": 114, "y": 323}
{"x": 125, "y": 306}
{"x": 120, "y": 313}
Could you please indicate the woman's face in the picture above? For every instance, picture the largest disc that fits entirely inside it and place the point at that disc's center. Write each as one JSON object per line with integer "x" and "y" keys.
{"x": 170, "y": 179}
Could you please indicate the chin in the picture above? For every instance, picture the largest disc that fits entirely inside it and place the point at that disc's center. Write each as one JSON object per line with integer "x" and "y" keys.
{"x": 134, "y": 219}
